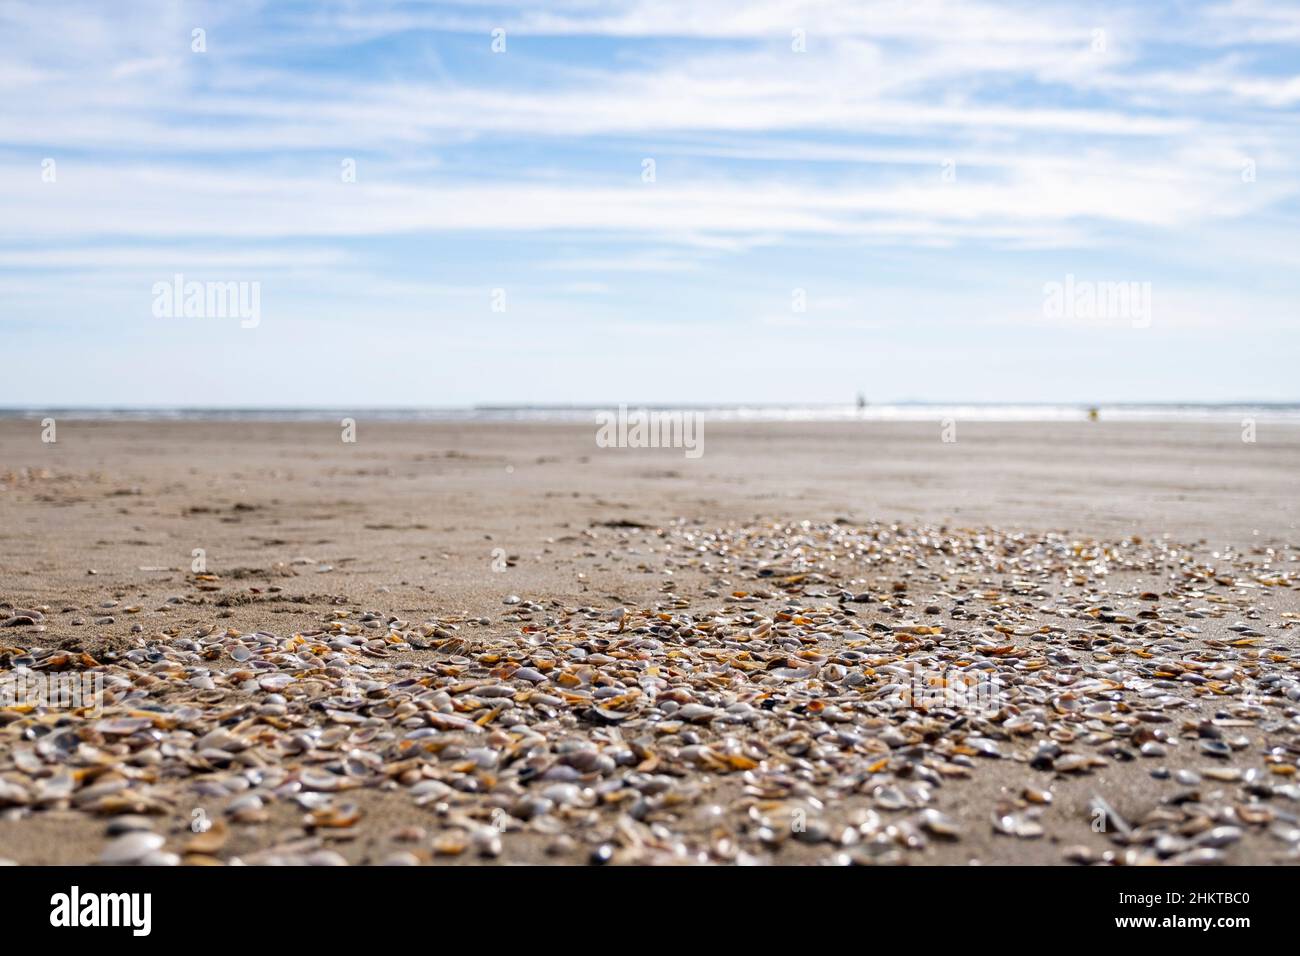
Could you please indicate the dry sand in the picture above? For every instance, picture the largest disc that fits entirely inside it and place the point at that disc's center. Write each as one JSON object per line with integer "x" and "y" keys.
{"x": 406, "y": 521}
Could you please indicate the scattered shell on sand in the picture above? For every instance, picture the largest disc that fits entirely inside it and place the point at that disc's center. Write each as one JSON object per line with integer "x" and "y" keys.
{"x": 827, "y": 697}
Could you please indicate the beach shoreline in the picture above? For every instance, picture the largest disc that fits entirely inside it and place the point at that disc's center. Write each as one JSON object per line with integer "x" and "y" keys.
{"x": 438, "y": 521}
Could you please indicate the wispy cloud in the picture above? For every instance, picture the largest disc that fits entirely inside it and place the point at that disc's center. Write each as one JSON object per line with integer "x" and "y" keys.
{"x": 790, "y": 143}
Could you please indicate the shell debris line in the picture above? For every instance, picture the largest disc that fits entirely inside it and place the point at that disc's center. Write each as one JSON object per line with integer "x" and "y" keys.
{"x": 810, "y": 692}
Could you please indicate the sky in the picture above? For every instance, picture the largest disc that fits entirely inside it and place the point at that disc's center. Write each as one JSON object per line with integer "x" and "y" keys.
{"x": 648, "y": 201}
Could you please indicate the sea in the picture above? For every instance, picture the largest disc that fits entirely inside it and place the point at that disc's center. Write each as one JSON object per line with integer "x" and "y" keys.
{"x": 893, "y": 412}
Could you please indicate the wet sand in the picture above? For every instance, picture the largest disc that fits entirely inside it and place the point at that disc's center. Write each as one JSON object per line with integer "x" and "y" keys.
{"x": 440, "y": 521}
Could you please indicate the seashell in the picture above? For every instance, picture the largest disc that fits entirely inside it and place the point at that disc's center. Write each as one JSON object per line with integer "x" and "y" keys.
{"x": 1201, "y": 856}
{"x": 563, "y": 794}
{"x": 890, "y": 798}
{"x": 1017, "y": 825}
{"x": 939, "y": 824}
{"x": 333, "y": 817}
{"x": 487, "y": 842}
{"x": 697, "y": 713}
{"x": 1222, "y": 774}
{"x": 122, "y": 726}
{"x": 430, "y": 791}
{"x": 324, "y": 858}
{"x": 128, "y": 823}
{"x": 608, "y": 715}
{"x": 983, "y": 746}
{"x": 130, "y": 848}
{"x": 451, "y": 843}
{"x": 1219, "y": 836}
{"x": 1083, "y": 854}
{"x": 159, "y": 858}
{"x": 1075, "y": 763}
{"x": 312, "y": 779}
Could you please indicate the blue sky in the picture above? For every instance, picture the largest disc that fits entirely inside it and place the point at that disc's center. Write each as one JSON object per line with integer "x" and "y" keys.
{"x": 914, "y": 177}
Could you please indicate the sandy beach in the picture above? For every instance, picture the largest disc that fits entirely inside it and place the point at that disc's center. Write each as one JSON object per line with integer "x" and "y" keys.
{"x": 631, "y": 656}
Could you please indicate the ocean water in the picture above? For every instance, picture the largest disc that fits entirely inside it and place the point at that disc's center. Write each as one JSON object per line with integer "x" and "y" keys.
{"x": 900, "y": 412}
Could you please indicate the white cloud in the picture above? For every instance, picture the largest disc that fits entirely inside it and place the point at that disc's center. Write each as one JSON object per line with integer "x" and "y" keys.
{"x": 230, "y": 160}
